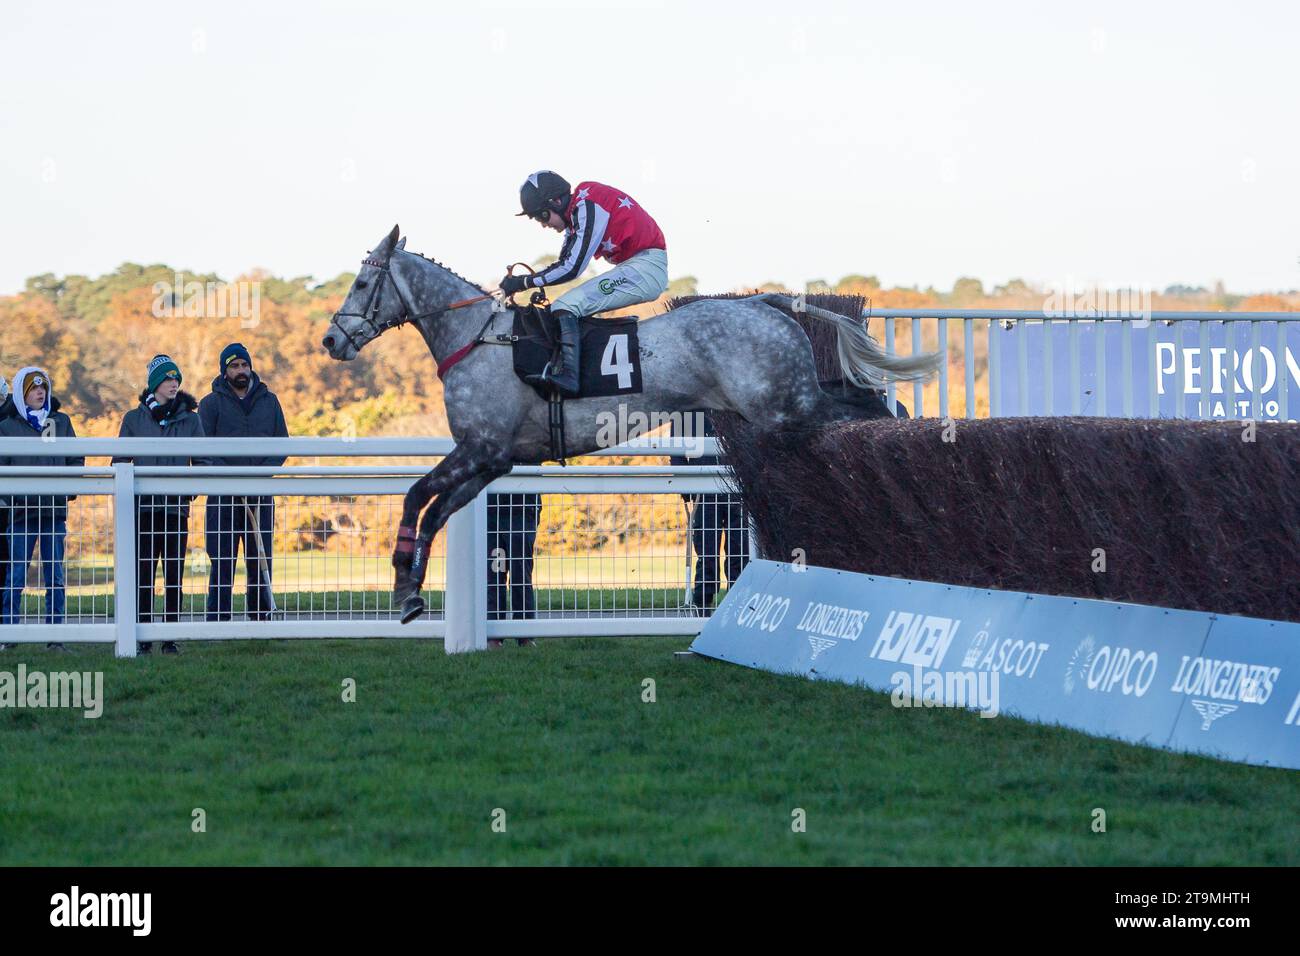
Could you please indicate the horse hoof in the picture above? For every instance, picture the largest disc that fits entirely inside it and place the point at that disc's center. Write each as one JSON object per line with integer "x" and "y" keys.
{"x": 412, "y": 608}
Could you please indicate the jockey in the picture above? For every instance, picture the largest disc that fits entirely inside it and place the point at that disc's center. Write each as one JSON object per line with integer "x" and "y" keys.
{"x": 597, "y": 221}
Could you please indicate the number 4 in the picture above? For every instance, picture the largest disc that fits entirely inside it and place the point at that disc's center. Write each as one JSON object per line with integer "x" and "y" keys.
{"x": 615, "y": 361}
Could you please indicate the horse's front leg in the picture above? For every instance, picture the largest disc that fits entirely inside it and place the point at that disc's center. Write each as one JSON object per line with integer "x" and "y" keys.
{"x": 456, "y": 468}
{"x": 443, "y": 507}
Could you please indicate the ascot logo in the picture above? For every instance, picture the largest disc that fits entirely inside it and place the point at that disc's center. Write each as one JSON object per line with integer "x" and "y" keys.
{"x": 976, "y": 648}
{"x": 1008, "y": 655}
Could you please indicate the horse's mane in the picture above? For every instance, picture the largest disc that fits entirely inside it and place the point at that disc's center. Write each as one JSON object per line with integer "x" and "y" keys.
{"x": 824, "y": 338}
{"x": 446, "y": 269}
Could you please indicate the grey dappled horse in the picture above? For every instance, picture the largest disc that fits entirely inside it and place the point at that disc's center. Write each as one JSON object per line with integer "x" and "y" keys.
{"x": 736, "y": 355}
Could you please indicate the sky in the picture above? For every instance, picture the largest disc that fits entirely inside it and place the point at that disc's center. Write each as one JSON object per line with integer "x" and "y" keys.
{"x": 1132, "y": 144}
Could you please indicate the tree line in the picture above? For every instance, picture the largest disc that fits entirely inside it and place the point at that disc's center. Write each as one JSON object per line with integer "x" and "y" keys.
{"x": 95, "y": 336}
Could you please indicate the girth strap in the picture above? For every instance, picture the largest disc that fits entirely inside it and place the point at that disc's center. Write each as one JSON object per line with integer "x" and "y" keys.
{"x": 555, "y": 410}
{"x": 460, "y": 353}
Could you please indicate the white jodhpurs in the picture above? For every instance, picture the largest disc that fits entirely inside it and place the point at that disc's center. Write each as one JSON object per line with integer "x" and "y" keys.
{"x": 642, "y": 278}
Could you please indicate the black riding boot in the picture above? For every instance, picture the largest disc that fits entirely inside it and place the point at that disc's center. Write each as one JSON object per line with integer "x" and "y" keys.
{"x": 563, "y": 375}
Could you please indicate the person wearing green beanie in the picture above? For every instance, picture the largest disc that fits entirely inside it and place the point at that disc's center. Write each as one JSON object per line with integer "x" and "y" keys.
{"x": 161, "y": 369}
{"x": 162, "y": 522}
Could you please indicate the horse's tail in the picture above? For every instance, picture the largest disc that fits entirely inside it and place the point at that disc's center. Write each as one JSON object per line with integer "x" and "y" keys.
{"x": 864, "y": 362}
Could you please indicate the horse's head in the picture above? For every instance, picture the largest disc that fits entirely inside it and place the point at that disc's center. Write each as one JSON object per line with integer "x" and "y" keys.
{"x": 373, "y": 305}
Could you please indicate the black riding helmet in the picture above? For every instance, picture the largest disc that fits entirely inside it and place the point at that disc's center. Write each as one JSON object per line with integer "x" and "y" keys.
{"x": 543, "y": 192}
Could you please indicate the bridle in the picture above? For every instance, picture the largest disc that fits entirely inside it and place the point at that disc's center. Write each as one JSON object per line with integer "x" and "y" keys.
{"x": 370, "y": 320}
{"x": 369, "y": 315}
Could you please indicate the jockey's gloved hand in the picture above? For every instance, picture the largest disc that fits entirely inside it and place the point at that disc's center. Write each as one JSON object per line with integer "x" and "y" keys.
{"x": 512, "y": 284}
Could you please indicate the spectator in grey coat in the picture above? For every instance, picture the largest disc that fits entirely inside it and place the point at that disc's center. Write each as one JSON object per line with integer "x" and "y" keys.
{"x": 240, "y": 405}
{"x": 162, "y": 522}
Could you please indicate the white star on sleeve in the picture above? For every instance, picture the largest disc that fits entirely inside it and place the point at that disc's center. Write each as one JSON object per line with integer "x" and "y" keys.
{"x": 625, "y": 203}
{"x": 608, "y": 246}
{"x": 582, "y": 193}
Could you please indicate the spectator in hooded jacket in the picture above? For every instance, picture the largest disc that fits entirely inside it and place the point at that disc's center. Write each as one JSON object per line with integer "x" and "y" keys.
{"x": 162, "y": 522}
{"x": 240, "y": 406}
{"x": 36, "y": 519}
{"x": 6, "y": 409}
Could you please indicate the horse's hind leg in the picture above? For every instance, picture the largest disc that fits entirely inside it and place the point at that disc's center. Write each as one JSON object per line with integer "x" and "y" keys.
{"x": 443, "y": 507}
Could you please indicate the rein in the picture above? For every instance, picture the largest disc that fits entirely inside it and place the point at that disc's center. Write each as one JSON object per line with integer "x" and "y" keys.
{"x": 369, "y": 315}
{"x": 460, "y": 353}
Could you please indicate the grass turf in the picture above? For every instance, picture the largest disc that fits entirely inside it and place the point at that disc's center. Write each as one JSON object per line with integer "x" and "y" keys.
{"x": 559, "y": 738}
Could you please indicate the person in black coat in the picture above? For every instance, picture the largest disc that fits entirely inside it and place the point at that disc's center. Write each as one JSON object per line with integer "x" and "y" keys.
{"x": 240, "y": 405}
{"x": 713, "y": 517}
{"x": 512, "y": 531}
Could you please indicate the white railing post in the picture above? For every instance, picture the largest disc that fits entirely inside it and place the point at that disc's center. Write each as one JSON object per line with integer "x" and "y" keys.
{"x": 124, "y": 566}
{"x": 465, "y": 598}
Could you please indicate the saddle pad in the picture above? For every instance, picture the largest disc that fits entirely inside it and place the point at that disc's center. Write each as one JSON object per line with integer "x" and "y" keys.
{"x": 610, "y": 362}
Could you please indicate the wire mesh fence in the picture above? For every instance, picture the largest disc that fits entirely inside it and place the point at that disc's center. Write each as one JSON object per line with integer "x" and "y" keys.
{"x": 56, "y": 558}
{"x": 588, "y": 555}
{"x": 271, "y": 557}
{"x": 318, "y": 553}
